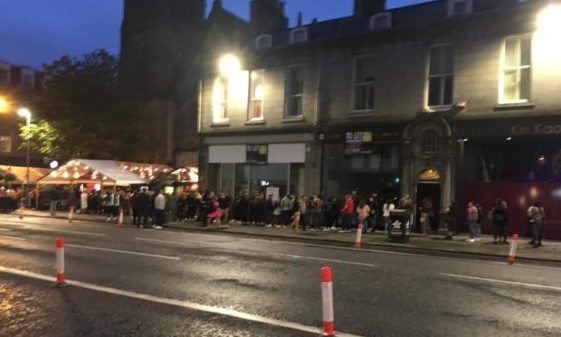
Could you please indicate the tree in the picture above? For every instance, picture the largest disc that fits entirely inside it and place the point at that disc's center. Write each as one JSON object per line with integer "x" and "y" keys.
{"x": 82, "y": 111}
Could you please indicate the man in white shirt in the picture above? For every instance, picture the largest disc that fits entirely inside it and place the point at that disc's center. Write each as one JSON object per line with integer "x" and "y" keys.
{"x": 159, "y": 206}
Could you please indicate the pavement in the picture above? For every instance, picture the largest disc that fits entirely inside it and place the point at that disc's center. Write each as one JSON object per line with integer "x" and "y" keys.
{"x": 144, "y": 282}
{"x": 431, "y": 244}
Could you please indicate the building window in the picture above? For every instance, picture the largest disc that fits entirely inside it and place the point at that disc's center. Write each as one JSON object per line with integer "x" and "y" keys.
{"x": 256, "y": 93}
{"x": 430, "y": 142}
{"x": 516, "y": 76}
{"x": 5, "y": 144}
{"x": 220, "y": 100}
{"x": 28, "y": 81}
{"x": 298, "y": 35}
{"x": 263, "y": 41}
{"x": 294, "y": 92}
{"x": 441, "y": 76}
{"x": 459, "y": 7}
{"x": 364, "y": 84}
{"x": 381, "y": 21}
{"x": 4, "y": 75}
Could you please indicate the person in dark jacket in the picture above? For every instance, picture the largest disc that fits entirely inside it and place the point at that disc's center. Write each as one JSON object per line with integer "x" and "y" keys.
{"x": 142, "y": 204}
{"x": 499, "y": 218}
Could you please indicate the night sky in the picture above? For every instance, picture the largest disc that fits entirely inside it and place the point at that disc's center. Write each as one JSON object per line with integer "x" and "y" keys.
{"x": 33, "y": 32}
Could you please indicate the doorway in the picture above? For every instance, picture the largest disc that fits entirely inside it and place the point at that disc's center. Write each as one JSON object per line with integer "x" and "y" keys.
{"x": 428, "y": 206}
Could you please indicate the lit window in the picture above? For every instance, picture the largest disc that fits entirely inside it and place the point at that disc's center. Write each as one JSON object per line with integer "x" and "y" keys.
{"x": 364, "y": 84}
{"x": 459, "y": 7}
{"x": 294, "y": 91}
{"x": 381, "y": 21}
{"x": 441, "y": 76}
{"x": 256, "y": 95}
{"x": 263, "y": 41}
{"x": 516, "y": 76}
{"x": 298, "y": 35}
{"x": 430, "y": 142}
{"x": 5, "y": 144}
{"x": 220, "y": 99}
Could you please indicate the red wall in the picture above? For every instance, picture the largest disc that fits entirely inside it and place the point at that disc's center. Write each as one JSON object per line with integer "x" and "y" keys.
{"x": 519, "y": 196}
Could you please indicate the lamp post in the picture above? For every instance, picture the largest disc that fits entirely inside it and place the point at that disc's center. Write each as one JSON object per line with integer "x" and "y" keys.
{"x": 25, "y": 113}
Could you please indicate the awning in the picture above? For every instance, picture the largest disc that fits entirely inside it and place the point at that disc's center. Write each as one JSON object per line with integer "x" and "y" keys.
{"x": 104, "y": 172}
{"x": 20, "y": 172}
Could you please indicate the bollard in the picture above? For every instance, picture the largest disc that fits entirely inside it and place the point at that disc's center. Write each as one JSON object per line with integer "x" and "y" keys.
{"x": 358, "y": 239}
{"x": 59, "y": 266}
{"x": 21, "y": 207}
{"x": 327, "y": 302}
{"x": 121, "y": 217}
{"x": 513, "y": 245}
{"x": 71, "y": 214}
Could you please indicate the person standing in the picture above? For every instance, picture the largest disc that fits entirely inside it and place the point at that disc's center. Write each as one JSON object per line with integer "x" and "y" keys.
{"x": 142, "y": 204}
{"x": 53, "y": 200}
{"x": 224, "y": 201}
{"x": 286, "y": 209}
{"x": 347, "y": 212}
{"x": 472, "y": 222}
{"x": 499, "y": 217}
{"x": 536, "y": 216}
{"x": 159, "y": 207}
{"x": 386, "y": 209}
{"x": 363, "y": 212}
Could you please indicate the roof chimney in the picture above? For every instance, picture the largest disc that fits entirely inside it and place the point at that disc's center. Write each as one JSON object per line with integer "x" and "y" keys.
{"x": 267, "y": 16}
{"x": 367, "y": 8}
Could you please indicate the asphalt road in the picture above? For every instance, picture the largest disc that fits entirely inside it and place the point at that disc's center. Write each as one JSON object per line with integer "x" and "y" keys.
{"x": 143, "y": 282}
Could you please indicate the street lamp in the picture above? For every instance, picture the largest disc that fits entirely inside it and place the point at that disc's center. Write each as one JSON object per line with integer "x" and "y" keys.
{"x": 25, "y": 113}
{"x": 4, "y": 105}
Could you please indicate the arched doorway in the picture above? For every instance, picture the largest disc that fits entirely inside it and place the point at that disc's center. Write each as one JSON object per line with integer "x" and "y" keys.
{"x": 429, "y": 196}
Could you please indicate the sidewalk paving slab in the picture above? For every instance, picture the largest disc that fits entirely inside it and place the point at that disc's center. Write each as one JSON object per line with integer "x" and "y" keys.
{"x": 550, "y": 252}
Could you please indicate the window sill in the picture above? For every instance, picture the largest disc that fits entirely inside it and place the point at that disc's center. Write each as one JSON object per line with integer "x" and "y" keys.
{"x": 361, "y": 113}
{"x": 256, "y": 122}
{"x": 220, "y": 124}
{"x": 439, "y": 108}
{"x": 515, "y": 106}
{"x": 297, "y": 119}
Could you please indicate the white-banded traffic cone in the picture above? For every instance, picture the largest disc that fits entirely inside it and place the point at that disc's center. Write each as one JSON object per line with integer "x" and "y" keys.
{"x": 59, "y": 266}
{"x": 21, "y": 208}
{"x": 327, "y": 302}
{"x": 71, "y": 214}
{"x": 358, "y": 240}
{"x": 121, "y": 217}
{"x": 513, "y": 245}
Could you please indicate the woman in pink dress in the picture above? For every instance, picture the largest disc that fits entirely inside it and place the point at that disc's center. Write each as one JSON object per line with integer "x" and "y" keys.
{"x": 214, "y": 213}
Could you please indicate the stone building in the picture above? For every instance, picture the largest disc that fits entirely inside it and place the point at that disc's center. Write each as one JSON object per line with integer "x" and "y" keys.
{"x": 421, "y": 100}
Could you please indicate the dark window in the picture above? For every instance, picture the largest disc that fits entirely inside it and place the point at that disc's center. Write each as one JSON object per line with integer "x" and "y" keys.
{"x": 294, "y": 91}
{"x": 441, "y": 76}
{"x": 430, "y": 142}
{"x": 364, "y": 84}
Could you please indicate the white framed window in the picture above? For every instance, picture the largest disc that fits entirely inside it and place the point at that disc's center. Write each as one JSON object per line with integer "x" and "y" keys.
{"x": 516, "y": 74}
{"x": 441, "y": 75}
{"x": 381, "y": 21}
{"x": 364, "y": 84}
{"x": 298, "y": 35}
{"x": 430, "y": 142}
{"x": 294, "y": 89}
{"x": 263, "y": 41}
{"x": 220, "y": 100}
{"x": 4, "y": 75}
{"x": 5, "y": 144}
{"x": 27, "y": 79}
{"x": 256, "y": 95}
{"x": 459, "y": 7}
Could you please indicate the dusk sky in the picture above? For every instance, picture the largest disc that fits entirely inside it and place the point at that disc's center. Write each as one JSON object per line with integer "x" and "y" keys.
{"x": 33, "y": 32}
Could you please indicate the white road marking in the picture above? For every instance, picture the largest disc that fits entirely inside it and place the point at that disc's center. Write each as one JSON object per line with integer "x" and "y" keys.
{"x": 291, "y": 256}
{"x": 174, "y": 258}
{"x": 490, "y": 280}
{"x": 177, "y": 303}
{"x": 5, "y": 229}
{"x": 28, "y": 227}
{"x": 12, "y": 237}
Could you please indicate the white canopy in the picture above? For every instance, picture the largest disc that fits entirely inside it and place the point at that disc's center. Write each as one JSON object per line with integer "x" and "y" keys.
{"x": 104, "y": 172}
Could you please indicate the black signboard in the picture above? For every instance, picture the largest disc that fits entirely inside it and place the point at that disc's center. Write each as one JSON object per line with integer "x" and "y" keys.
{"x": 257, "y": 154}
{"x": 358, "y": 142}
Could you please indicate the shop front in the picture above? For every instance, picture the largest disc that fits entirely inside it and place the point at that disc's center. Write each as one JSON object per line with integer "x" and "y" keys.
{"x": 517, "y": 160}
{"x": 255, "y": 165}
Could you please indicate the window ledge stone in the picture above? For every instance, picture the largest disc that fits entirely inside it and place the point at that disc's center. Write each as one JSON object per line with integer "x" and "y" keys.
{"x": 515, "y": 106}
{"x": 220, "y": 124}
{"x": 255, "y": 122}
{"x": 298, "y": 119}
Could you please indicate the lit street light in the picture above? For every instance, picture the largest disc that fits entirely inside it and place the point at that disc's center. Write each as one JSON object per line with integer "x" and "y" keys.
{"x": 4, "y": 105}
{"x": 25, "y": 113}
